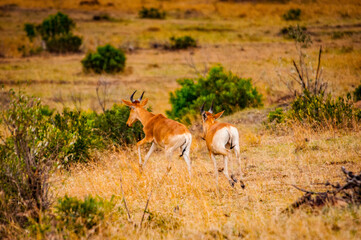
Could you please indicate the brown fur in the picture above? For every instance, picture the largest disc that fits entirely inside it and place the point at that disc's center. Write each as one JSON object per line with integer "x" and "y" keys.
{"x": 157, "y": 127}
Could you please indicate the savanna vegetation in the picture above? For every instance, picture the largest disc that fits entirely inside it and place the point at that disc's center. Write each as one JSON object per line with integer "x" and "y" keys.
{"x": 69, "y": 164}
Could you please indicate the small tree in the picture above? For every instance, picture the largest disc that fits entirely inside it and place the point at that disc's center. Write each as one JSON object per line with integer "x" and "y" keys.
{"x": 56, "y": 32}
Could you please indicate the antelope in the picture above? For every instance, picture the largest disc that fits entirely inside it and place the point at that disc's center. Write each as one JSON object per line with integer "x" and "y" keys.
{"x": 221, "y": 139}
{"x": 160, "y": 131}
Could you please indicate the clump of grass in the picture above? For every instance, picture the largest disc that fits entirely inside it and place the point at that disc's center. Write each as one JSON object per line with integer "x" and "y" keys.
{"x": 153, "y": 13}
{"x": 292, "y": 15}
{"x": 183, "y": 42}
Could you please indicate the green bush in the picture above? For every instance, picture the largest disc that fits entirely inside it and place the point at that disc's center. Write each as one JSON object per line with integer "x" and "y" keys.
{"x": 292, "y": 14}
{"x": 56, "y": 32}
{"x": 79, "y": 216}
{"x": 182, "y": 42}
{"x": 229, "y": 92}
{"x": 320, "y": 110}
{"x": 357, "y": 93}
{"x": 107, "y": 59}
{"x": 111, "y": 125}
{"x": 153, "y": 13}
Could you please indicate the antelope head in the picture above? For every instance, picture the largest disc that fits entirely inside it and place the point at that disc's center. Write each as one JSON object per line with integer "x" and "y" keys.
{"x": 209, "y": 118}
{"x": 134, "y": 105}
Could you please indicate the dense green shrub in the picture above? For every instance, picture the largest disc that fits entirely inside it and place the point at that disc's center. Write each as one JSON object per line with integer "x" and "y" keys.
{"x": 182, "y": 42}
{"x": 320, "y": 110}
{"x": 229, "y": 92}
{"x": 56, "y": 32}
{"x": 357, "y": 93}
{"x": 111, "y": 125}
{"x": 27, "y": 157}
{"x": 151, "y": 13}
{"x": 292, "y": 14}
{"x": 106, "y": 59}
{"x": 79, "y": 216}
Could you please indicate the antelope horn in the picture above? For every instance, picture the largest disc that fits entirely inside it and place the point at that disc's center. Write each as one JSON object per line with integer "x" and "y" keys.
{"x": 211, "y": 108}
{"x": 141, "y": 96}
{"x": 202, "y": 108}
{"x": 131, "y": 97}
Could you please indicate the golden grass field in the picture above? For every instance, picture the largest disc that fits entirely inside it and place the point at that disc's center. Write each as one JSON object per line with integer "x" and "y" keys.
{"x": 244, "y": 38}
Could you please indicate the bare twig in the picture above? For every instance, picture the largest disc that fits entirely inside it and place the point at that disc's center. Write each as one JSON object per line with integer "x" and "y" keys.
{"x": 124, "y": 201}
{"x": 102, "y": 91}
{"x": 150, "y": 195}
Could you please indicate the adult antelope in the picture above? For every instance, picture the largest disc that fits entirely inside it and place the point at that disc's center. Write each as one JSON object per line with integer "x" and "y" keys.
{"x": 221, "y": 138}
{"x": 160, "y": 131}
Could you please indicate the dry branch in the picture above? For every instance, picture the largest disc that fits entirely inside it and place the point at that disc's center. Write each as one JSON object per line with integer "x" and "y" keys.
{"x": 348, "y": 193}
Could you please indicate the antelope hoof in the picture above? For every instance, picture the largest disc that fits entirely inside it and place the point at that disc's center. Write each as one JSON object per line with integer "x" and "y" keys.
{"x": 234, "y": 178}
{"x": 232, "y": 183}
{"x": 140, "y": 167}
{"x": 242, "y": 184}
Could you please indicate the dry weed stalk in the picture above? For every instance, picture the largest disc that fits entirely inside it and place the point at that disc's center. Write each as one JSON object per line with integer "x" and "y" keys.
{"x": 348, "y": 193}
{"x": 102, "y": 91}
{"x": 303, "y": 79}
{"x": 124, "y": 201}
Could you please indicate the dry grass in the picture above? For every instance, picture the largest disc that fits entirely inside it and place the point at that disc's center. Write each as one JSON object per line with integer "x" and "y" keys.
{"x": 193, "y": 209}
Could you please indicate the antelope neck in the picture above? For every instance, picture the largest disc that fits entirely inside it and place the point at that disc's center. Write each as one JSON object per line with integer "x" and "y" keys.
{"x": 144, "y": 116}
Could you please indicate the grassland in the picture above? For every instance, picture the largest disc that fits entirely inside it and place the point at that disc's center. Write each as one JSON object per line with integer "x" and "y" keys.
{"x": 244, "y": 37}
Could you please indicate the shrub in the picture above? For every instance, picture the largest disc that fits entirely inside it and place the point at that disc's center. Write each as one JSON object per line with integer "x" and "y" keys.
{"x": 320, "y": 110}
{"x": 229, "y": 92}
{"x": 79, "y": 216}
{"x": 297, "y": 33}
{"x": 63, "y": 44}
{"x": 106, "y": 59}
{"x": 357, "y": 93}
{"x": 27, "y": 158}
{"x": 77, "y": 137}
{"x": 182, "y": 42}
{"x": 56, "y": 32}
{"x": 102, "y": 17}
{"x": 292, "y": 14}
{"x": 151, "y": 13}
{"x": 111, "y": 125}
{"x": 277, "y": 115}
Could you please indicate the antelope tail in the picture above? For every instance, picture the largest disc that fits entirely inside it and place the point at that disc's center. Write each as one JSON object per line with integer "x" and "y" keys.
{"x": 230, "y": 139}
{"x": 184, "y": 149}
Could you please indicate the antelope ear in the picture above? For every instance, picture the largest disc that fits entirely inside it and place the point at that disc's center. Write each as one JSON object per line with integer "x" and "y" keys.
{"x": 218, "y": 115}
{"x": 128, "y": 103}
{"x": 144, "y": 102}
{"x": 204, "y": 116}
